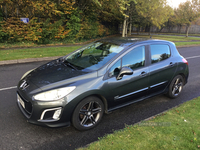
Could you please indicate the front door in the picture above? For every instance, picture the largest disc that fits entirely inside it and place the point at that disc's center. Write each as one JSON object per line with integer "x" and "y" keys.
{"x": 131, "y": 87}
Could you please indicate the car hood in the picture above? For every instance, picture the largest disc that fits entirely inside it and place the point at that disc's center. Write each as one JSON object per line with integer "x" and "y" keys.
{"x": 52, "y": 72}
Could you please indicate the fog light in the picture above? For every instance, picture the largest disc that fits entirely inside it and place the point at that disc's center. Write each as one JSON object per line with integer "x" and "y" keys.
{"x": 56, "y": 114}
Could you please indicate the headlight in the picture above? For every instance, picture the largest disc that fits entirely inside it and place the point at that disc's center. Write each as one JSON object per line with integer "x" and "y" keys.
{"x": 54, "y": 94}
{"x": 27, "y": 73}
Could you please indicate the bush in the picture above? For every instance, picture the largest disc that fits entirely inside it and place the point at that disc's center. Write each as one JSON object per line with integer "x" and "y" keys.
{"x": 14, "y": 30}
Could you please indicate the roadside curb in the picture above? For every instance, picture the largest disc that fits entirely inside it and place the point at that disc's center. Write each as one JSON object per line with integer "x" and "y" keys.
{"x": 29, "y": 60}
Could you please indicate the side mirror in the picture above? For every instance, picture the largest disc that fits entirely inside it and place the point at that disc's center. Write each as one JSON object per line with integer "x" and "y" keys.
{"x": 124, "y": 71}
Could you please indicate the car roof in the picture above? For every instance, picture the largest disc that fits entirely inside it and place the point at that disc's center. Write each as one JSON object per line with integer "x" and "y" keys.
{"x": 128, "y": 41}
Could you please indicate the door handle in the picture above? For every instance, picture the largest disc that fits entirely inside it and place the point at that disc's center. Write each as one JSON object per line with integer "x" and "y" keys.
{"x": 171, "y": 64}
{"x": 143, "y": 73}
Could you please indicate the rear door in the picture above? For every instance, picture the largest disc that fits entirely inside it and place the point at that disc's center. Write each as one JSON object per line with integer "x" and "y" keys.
{"x": 162, "y": 67}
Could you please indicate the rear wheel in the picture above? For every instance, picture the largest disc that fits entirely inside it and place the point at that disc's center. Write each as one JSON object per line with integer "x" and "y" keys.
{"x": 88, "y": 113}
{"x": 176, "y": 87}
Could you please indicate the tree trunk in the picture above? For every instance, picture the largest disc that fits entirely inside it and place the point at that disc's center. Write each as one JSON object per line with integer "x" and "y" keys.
{"x": 159, "y": 30}
{"x": 126, "y": 33}
{"x": 17, "y": 11}
{"x": 187, "y": 30}
{"x": 124, "y": 27}
{"x": 6, "y": 12}
{"x": 180, "y": 29}
{"x": 138, "y": 30}
{"x": 130, "y": 28}
{"x": 149, "y": 30}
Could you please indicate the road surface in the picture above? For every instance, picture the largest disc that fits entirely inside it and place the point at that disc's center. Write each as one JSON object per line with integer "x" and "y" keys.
{"x": 16, "y": 133}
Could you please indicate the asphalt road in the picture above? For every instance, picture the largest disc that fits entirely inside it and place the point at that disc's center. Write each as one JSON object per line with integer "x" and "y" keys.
{"x": 16, "y": 133}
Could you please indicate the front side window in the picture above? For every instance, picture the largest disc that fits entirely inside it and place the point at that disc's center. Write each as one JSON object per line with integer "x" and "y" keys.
{"x": 159, "y": 53}
{"x": 94, "y": 56}
{"x": 134, "y": 59}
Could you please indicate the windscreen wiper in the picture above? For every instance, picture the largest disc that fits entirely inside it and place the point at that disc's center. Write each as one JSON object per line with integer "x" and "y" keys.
{"x": 70, "y": 65}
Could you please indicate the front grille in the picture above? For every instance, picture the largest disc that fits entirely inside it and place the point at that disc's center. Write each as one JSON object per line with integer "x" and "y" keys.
{"x": 25, "y": 106}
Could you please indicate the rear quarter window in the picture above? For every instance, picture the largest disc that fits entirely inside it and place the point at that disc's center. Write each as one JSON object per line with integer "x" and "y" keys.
{"x": 159, "y": 52}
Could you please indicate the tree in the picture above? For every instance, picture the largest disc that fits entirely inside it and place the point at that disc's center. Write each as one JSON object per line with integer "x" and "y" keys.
{"x": 155, "y": 12}
{"x": 188, "y": 12}
{"x": 176, "y": 20}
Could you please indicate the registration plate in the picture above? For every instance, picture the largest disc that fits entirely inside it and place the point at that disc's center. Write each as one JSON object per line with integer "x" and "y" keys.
{"x": 20, "y": 101}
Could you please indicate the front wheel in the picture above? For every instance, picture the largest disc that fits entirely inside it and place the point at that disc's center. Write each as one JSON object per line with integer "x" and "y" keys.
{"x": 88, "y": 113}
{"x": 176, "y": 87}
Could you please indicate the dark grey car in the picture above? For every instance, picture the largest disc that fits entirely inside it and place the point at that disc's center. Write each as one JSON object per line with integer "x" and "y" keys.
{"x": 98, "y": 78}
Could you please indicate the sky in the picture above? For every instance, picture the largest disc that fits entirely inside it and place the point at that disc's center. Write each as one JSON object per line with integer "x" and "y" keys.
{"x": 175, "y": 3}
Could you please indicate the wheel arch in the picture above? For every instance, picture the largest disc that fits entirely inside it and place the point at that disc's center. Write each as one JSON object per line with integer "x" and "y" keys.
{"x": 104, "y": 100}
{"x": 184, "y": 77}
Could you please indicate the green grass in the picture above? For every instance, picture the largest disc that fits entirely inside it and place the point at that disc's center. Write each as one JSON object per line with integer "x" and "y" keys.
{"x": 160, "y": 33}
{"x": 178, "y": 128}
{"x": 169, "y": 38}
{"x": 60, "y": 51}
{"x": 178, "y": 34}
{"x": 187, "y": 43}
{"x": 35, "y": 52}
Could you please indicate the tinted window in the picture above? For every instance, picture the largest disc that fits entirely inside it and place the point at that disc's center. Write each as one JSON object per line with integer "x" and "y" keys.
{"x": 135, "y": 58}
{"x": 159, "y": 53}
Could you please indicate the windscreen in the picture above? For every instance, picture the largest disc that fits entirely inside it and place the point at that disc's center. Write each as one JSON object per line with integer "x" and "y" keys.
{"x": 94, "y": 56}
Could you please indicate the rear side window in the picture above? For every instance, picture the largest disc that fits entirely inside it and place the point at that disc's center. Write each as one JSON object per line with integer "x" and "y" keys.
{"x": 159, "y": 53}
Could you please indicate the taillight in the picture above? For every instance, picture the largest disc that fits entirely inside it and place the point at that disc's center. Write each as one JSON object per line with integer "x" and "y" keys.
{"x": 185, "y": 61}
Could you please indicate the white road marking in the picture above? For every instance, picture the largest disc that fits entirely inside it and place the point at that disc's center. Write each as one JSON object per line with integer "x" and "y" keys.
{"x": 192, "y": 57}
{"x": 3, "y": 89}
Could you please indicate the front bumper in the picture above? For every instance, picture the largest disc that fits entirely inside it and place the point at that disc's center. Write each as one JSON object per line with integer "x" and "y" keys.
{"x": 51, "y": 114}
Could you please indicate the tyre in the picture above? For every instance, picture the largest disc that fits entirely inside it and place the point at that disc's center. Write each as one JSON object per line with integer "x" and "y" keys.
{"x": 88, "y": 113}
{"x": 176, "y": 86}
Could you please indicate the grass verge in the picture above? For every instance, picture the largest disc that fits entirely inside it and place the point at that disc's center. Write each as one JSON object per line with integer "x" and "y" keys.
{"x": 169, "y": 37}
{"x": 35, "y": 52}
{"x": 178, "y": 128}
{"x": 14, "y": 54}
{"x": 187, "y": 43}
